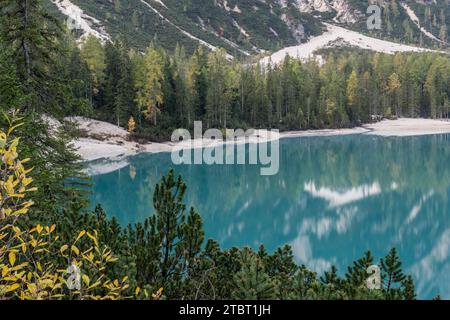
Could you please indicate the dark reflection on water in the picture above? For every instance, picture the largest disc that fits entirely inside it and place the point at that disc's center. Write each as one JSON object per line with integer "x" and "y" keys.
{"x": 334, "y": 198}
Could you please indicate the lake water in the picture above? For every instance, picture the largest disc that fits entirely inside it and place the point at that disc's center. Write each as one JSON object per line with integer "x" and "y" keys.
{"x": 333, "y": 199}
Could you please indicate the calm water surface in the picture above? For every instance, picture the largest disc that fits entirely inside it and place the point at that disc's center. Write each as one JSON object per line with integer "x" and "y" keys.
{"x": 333, "y": 199}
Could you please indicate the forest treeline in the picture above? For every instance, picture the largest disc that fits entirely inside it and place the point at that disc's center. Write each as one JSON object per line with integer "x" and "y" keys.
{"x": 45, "y": 225}
{"x": 162, "y": 91}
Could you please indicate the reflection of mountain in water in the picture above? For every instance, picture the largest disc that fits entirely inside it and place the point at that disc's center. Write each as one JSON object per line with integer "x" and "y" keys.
{"x": 334, "y": 198}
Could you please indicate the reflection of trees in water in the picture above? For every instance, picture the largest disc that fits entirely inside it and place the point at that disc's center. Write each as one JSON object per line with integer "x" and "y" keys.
{"x": 350, "y": 161}
{"x": 240, "y": 207}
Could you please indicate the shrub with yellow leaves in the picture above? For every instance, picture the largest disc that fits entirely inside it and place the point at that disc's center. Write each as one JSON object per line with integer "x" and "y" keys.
{"x": 14, "y": 183}
{"x": 33, "y": 265}
{"x": 131, "y": 125}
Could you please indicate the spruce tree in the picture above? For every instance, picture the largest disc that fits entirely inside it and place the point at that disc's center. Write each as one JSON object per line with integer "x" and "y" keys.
{"x": 11, "y": 94}
{"x": 33, "y": 39}
{"x": 33, "y": 35}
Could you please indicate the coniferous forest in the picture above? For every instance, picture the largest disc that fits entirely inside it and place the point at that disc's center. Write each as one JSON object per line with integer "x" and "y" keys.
{"x": 45, "y": 223}
{"x": 162, "y": 91}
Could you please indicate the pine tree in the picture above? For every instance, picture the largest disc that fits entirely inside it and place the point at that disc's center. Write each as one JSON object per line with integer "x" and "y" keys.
{"x": 192, "y": 239}
{"x": 305, "y": 283}
{"x": 169, "y": 208}
{"x": 392, "y": 268}
{"x": 281, "y": 267}
{"x": 252, "y": 282}
{"x": 357, "y": 273}
{"x": 331, "y": 278}
{"x": 409, "y": 292}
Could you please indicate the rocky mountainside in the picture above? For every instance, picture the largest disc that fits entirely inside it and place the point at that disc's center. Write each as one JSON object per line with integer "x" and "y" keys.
{"x": 248, "y": 27}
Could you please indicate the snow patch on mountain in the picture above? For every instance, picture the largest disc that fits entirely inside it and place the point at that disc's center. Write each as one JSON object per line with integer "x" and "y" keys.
{"x": 78, "y": 19}
{"x": 338, "y": 36}
{"x": 414, "y": 18}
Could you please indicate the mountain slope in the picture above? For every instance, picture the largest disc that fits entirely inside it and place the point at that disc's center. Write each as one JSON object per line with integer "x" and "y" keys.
{"x": 339, "y": 37}
{"x": 248, "y": 27}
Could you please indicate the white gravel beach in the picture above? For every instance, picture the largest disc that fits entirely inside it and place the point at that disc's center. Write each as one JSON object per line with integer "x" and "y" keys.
{"x": 105, "y": 140}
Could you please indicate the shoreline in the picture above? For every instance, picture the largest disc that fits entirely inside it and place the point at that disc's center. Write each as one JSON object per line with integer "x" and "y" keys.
{"x": 115, "y": 147}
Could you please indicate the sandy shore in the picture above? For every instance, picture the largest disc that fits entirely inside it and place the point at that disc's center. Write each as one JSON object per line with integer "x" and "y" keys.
{"x": 106, "y": 141}
{"x": 408, "y": 127}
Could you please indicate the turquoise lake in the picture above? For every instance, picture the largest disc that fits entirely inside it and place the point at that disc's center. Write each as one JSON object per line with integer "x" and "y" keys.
{"x": 333, "y": 199}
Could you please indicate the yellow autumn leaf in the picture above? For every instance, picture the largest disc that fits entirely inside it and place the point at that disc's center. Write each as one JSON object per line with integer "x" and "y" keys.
{"x": 80, "y": 235}
{"x": 5, "y": 271}
{"x": 12, "y": 287}
{"x": 12, "y": 258}
{"x": 64, "y": 248}
{"x": 86, "y": 280}
{"x": 93, "y": 238}
{"x": 39, "y": 228}
{"x": 75, "y": 250}
{"x": 11, "y": 129}
{"x": 95, "y": 285}
{"x": 26, "y": 181}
